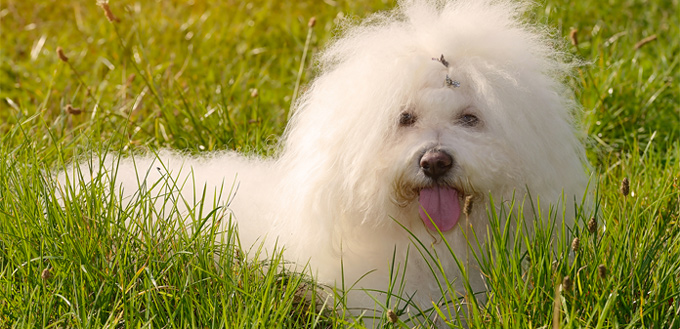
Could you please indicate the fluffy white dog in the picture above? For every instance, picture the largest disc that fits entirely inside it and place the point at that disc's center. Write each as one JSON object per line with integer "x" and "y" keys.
{"x": 414, "y": 111}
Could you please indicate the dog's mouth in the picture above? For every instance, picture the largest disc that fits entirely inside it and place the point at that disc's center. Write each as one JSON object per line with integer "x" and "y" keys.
{"x": 439, "y": 207}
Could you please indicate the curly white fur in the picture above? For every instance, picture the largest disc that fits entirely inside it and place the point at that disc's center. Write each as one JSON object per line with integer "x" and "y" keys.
{"x": 349, "y": 169}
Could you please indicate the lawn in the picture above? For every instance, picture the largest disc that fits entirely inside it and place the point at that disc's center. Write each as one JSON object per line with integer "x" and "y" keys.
{"x": 200, "y": 76}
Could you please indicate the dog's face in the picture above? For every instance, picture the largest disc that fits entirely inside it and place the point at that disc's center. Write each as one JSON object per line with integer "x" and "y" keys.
{"x": 409, "y": 124}
{"x": 446, "y": 147}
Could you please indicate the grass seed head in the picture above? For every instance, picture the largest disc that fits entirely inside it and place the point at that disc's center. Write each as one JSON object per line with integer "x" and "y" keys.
{"x": 62, "y": 56}
{"x": 575, "y": 244}
{"x": 644, "y": 41}
{"x": 109, "y": 14}
{"x": 392, "y": 317}
{"x": 602, "y": 271}
{"x": 312, "y": 22}
{"x": 73, "y": 110}
{"x": 625, "y": 187}
{"x": 467, "y": 207}
{"x": 592, "y": 225}
{"x": 46, "y": 274}
{"x": 573, "y": 36}
{"x": 566, "y": 283}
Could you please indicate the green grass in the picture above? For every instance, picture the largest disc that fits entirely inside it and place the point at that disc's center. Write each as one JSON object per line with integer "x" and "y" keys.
{"x": 184, "y": 75}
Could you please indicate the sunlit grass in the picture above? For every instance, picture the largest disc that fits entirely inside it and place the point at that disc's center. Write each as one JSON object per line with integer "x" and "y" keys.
{"x": 202, "y": 76}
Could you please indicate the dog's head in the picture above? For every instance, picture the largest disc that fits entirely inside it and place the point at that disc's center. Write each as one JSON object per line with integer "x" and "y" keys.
{"x": 411, "y": 116}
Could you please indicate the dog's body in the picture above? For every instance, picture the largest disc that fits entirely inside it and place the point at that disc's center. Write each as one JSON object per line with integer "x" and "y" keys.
{"x": 413, "y": 113}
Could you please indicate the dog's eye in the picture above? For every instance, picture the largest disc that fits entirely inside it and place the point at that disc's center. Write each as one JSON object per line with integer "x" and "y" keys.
{"x": 407, "y": 119}
{"x": 468, "y": 120}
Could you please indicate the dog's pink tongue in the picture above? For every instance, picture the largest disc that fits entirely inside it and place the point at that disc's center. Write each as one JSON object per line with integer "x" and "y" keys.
{"x": 442, "y": 204}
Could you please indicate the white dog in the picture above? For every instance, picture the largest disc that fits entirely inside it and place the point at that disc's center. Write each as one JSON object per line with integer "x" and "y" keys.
{"x": 414, "y": 111}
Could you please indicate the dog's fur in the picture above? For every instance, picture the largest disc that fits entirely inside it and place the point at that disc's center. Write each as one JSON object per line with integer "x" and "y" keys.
{"x": 342, "y": 192}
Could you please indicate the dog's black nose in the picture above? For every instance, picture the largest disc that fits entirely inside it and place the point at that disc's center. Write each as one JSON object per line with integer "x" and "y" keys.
{"x": 435, "y": 163}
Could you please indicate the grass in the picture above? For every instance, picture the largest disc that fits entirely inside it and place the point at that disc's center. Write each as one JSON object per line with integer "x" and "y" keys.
{"x": 202, "y": 76}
